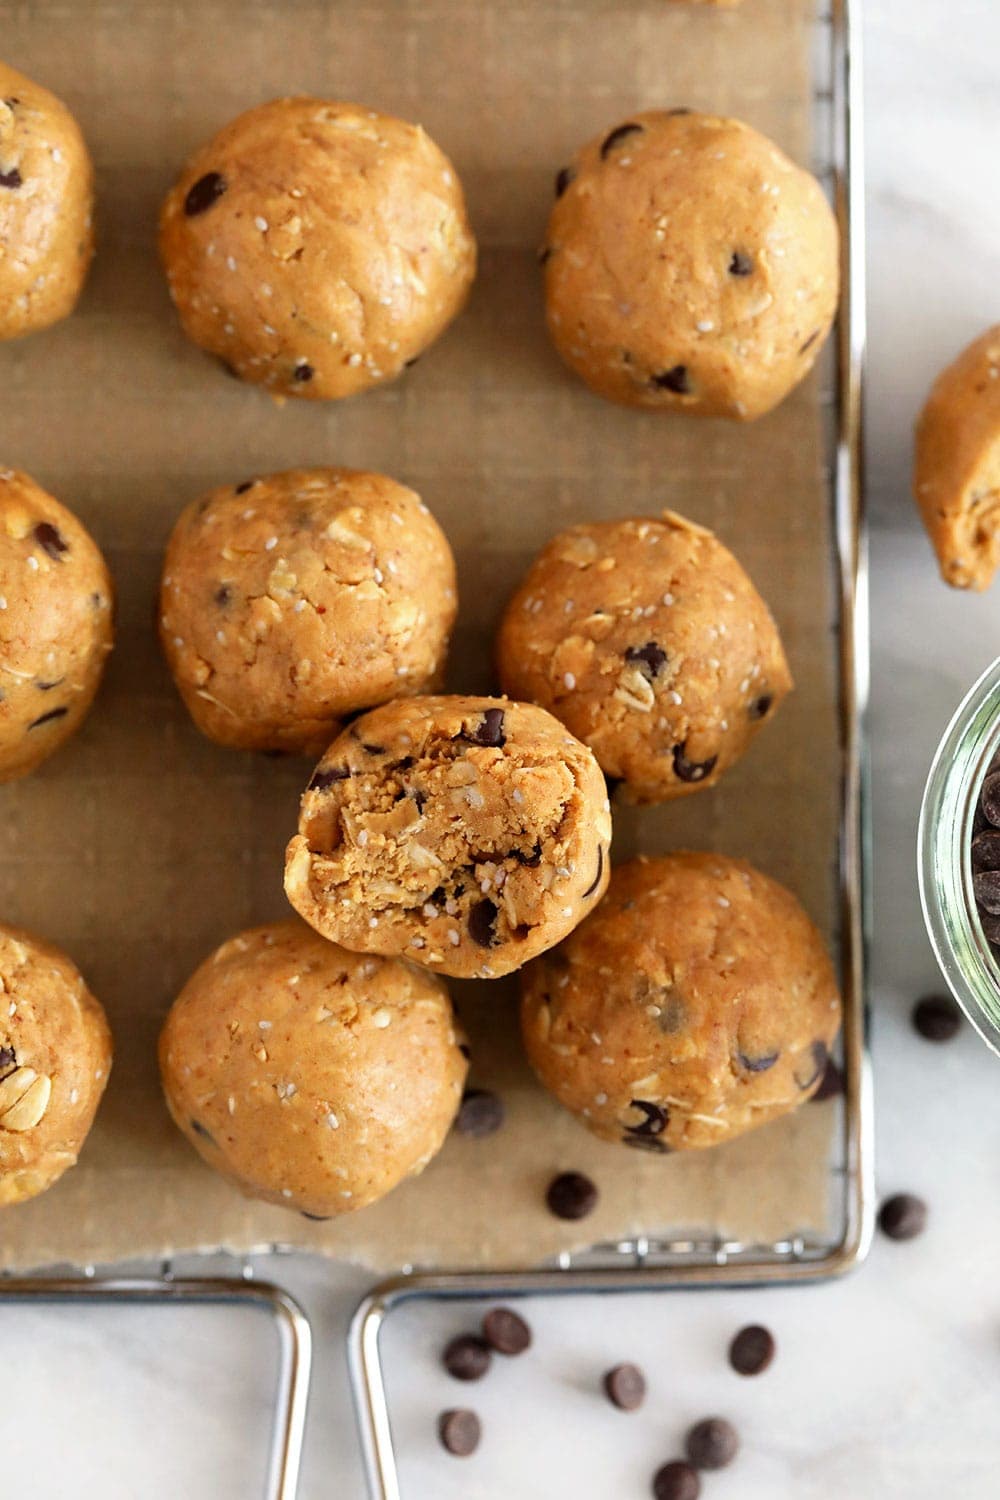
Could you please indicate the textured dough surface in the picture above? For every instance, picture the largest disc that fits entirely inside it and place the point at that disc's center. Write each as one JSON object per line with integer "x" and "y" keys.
{"x": 467, "y": 833}
{"x": 956, "y": 479}
{"x": 690, "y": 266}
{"x": 46, "y": 207}
{"x": 651, "y": 644}
{"x": 697, "y": 1002}
{"x": 55, "y": 1057}
{"x": 290, "y": 601}
{"x": 311, "y": 1077}
{"x": 56, "y": 626}
{"x": 317, "y": 247}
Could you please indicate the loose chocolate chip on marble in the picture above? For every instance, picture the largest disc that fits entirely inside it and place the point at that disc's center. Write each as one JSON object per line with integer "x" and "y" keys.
{"x": 676, "y": 1481}
{"x": 50, "y": 540}
{"x": 650, "y": 656}
{"x": 11, "y": 179}
{"x": 53, "y": 713}
{"x": 761, "y": 707}
{"x": 903, "y": 1217}
{"x": 987, "y": 888}
{"x": 467, "y": 1357}
{"x": 46, "y": 687}
{"x": 758, "y": 1064}
{"x": 804, "y": 348}
{"x": 625, "y": 1387}
{"x": 937, "y": 1018}
{"x": 752, "y": 1350}
{"x": 530, "y": 861}
{"x": 654, "y": 1121}
{"x": 571, "y": 1195}
{"x": 480, "y": 1113}
{"x": 675, "y": 379}
{"x": 564, "y": 177}
{"x": 741, "y": 264}
{"x": 489, "y": 731}
{"x": 203, "y": 193}
{"x": 482, "y": 915}
{"x": 619, "y": 134}
{"x": 989, "y": 798}
{"x": 831, "y": 1084}
{"x": 712, "y": 1444}
{"x": 506, "y": 1331}
{"x": 592, "y": 887}
{"x": 241, "y": 489}
{"x": 459, "y": 1432}
{"x": 199, "y": 1129}
{"x": 8, "y": 1060}
{"x": 986, "y": 850}
{"x": 691, "y": 770}
{"x": 320, "y": 780}
{"x": 813, "y": 1067}
{"x": 303, "y": 371}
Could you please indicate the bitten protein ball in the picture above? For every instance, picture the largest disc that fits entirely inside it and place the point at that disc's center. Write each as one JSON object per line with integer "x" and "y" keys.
{"x": 956, "y": 478}
{"x": 317, "y": 247}
{"x": 651, "y": 644}
{"x": 689, "y": 266}
{"x": 695, "y": 1004}
{"x": 55, "y": 1057}
{"x": 308, "y": 1076}
{"x": 467, "y": 833}
{"x": 46, "y": 207}
{"x": 56, "y": 599}
{"x": 290, "y": 601}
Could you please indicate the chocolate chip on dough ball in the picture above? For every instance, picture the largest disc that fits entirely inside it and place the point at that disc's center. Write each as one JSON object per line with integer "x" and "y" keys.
{"x": 291, "y": 601}
{"x": 689, "y": 266}
{"x": 55, "y": 1057}
{"x": 46, "y": 207}
{"x": 56, "y": 599}
{"x": 697, "y": 1003}
{"x": 316, "y": 247}
{"x": 308, "y": 1076}
{"x": 651, "y": 644}
{"x": 468, "y": 834}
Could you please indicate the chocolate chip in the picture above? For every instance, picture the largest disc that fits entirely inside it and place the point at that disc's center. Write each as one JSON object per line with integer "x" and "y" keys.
{"x": 571, "y": 1195}
{"x": 199, "y": 1129}
{"x": 987, "y": 888}
{"x": 489, "y": 731}
{"x": 459, "y": 1432}
{"x": 831, "y": 1084}
{"x": 986, "y": 850}
{"x": 223, "y": 594}
{"x": 712, "y": 1444}
{"x": 937, "y": 1018}
{"x": 322, "y": 779}
{"x": 480, "y": 1113}
{"x": 530, "y": 861}
{"x": 50, "y": 540}
{"x": 303, "y": 371}
{"x": 506, "y": 1331}
{"x": 11, "y": 179}
{"x": 467, "y": 1357}
{"x": 241, "y": 489}
{"x": 53, "y": 713}
{"x": 482, "y": 915}
{"x": 650, "y": 656}
{"x": 740, "y": 264}
{"x": 903, "y": 1217}
{"x": 691, "y": 770}
{"x": 563, "y": 179}
{"x": 619, "y": 134}
{"x": 597, "y": 878}
{"x": 758, "y": 1064}
{"x": 202, "y": 194}
{"x": 761, "y": 707}
{"x": 675, "y": 379}
{"x": 752, "y": 1350}
{"x": 625, "y": 1387}
{"x": 804, "y": 348}
{"x": 8, "y": 1060}
{"x": 814, "y": 1067}
{"x": 654, "y": 1122}
{"x": 676, "y": 1480}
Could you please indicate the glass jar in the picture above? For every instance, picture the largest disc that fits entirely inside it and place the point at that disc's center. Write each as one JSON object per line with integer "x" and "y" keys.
{"x": 963, "y": 757}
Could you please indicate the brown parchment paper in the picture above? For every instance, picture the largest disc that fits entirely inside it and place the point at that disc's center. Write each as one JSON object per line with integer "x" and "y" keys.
{"x": 141, "y": 846}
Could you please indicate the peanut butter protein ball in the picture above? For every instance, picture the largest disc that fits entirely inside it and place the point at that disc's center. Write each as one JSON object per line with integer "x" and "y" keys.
{"x": 467, "y": 833}
{"x": 317, "y": 248}
{"x": 56, "y": 599}
{"x": 55, "y": 1057}
{"x": 308, "y": 1076}
{"x": 689, "y": 266}
{"x": 697, "y": 1003}
{"x": 292, "y": 600}
{"x": 46, "y": 207}
{"x": 651, "y": 644}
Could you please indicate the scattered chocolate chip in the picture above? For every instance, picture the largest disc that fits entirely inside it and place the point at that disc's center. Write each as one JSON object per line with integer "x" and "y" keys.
{"x": 482, "y": 915}
{"x": 8, "y": 1060}
{"x": 903, "y": 1217}
{"x": 650, "y": 656}
{"x": 506, "y": 1331}
{"x": 489, "y": 731}
{"x": 241, "y": 489}
{"x": 675, "y": 379}
{"x": 322, "y": 779}
{"x": 987, "y": 888}
{"x": 564, "y": 177}
{"x": 199, "y": 1129}
{"x": 46, "y": 687}
{"x": 712, "y": 1444}
{"x": 316, "y": 1218}
{"x": 459, "y": 1432}
{"x": 741, "y": 264}
{"x": 810, "y": 1071}
{"x": 654, "y": 1122}
{"x": 691, "y": 770}
{"x": 571, "y": 1195}
{"x": 480, "y": 1113}
{"x": 937, "y": 1018}
{"x": 758, "y": 1064}
{"x": 303, "y": 371}
{"x": 50, "y": 540}
{"x": 467, "y": 1357}
{"x": 625, "y": 1387}
{"x": 53, "y": 713}
{"x": 752, "y": 1350}
{"x": 203, "y": 193}
{"x": 761, "y": 707}
{"x": 597, "y": 878}
{"x": 986, "y": 850}
{"x": 804, "y": 348}
{"x": 831, "y": 1084}
{"x": 11, "y": 179}
{"x": 223, "y": 594}
{"x": 619, "y": 134}
{"x": 676, "y": 1480}
{"x": 530, "y": 861}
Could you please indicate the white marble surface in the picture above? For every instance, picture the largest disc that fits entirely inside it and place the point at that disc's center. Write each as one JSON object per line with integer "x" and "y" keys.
{"x": 887, "y": 1384}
